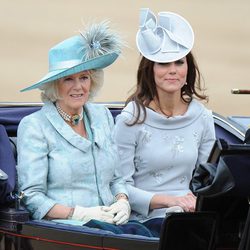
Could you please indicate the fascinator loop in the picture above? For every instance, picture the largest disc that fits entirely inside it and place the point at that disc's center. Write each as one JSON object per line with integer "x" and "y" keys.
{"x": 165, "y": 38}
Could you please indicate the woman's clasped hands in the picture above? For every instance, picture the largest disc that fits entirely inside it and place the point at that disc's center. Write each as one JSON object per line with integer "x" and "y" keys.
{"x": 121, "y": 211}
{"x": 118, "y": 213}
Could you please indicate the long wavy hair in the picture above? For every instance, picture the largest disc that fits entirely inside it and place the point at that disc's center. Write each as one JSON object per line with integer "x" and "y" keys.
{"x": 146, "y": 90}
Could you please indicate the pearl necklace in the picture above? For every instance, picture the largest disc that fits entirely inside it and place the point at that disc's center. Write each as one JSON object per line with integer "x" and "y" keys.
{"x": 74, "y": 119}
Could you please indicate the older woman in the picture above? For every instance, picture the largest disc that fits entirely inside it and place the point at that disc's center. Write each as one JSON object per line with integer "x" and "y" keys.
{"x": 67, "y": 162}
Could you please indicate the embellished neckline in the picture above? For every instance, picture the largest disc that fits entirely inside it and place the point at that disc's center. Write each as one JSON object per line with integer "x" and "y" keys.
{"x": 72, "y": 119}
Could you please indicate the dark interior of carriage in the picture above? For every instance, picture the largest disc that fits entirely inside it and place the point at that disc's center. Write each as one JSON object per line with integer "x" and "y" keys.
{"x": 219, "y": 222}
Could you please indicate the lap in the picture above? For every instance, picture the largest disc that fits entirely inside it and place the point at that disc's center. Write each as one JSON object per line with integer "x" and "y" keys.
{"x": 150, "y": 228}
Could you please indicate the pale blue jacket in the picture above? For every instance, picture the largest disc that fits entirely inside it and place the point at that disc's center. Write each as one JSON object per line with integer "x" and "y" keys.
{"x": 57, "y": 165}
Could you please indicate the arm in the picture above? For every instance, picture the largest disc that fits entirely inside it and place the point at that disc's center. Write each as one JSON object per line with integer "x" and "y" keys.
{"x": 117, "y": 184}
{"x": 125, "y": 138}
{"x": 33, "y": 168}
{"x": 59, "y": 212}
{"x": 208, "y": 139}
{"x": 187, "y": 202}
{"x": 128, "y": 139}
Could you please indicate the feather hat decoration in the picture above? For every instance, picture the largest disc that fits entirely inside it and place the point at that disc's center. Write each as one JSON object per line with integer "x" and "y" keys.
{"x": 96, "y": 47}
{"x": 100, "y": 40}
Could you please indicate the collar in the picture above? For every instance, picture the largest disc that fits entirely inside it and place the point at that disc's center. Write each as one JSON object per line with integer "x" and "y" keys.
{"x": 154, "y": 119}
{"x": 68, "y": 133}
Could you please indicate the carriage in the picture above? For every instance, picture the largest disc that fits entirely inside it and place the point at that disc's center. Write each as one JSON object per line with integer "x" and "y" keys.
{"x": 220, "y": 221}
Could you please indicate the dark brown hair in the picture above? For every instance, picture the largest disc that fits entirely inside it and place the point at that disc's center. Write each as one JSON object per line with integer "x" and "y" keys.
{"x": 146, "y": 86}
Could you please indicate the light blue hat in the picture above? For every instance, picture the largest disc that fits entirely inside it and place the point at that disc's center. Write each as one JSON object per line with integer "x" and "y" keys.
{"x": 164, "y": 39}
{"x": 95, "y": 48}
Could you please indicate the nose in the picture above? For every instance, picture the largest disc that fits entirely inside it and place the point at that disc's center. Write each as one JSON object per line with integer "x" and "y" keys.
{"x": 172, "y": 68}
{"x": 77, "y": 83}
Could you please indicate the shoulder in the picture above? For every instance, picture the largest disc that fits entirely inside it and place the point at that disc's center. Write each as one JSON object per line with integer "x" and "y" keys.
{"x": 130, "y": 108}
{"x": 96, "y": 109}
{"x": 38, "y": 116}
{"x": 197, "y": 106}
{"x": 30, "y": 127}
{"x": 200, "y": 110}
{"x": 98, "y": 113}
{"x": 39, "y": 120}
{"x": 129, "y": 112}
{"x": 30, "y": 120}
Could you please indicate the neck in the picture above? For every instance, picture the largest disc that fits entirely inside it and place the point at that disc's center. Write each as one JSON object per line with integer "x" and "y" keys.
{"x": 169, "y": 107}
{"x": 72, "y": 119}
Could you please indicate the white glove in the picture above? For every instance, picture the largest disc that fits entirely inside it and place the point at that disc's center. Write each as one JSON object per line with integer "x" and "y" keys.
{"x": 121, "y": 210}
{"x": 86, "y": 214}
{"x": 174, "y": 209}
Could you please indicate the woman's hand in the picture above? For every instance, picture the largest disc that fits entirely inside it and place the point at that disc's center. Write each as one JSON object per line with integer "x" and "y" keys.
{"x": 186, "y": 202}
{"x": 121, "y": 211}
{"x": 86, "y": 214}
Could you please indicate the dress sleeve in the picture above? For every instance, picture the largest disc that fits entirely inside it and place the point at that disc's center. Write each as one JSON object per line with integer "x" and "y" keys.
{"x": 117, "y": 184}
{"x": 126, "y": 139}
{"x": 33, "y": 167}
{"x": 208, "y": 138}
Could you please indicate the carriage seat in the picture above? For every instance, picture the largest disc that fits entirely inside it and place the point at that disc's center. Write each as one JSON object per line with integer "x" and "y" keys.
{"x": 7, "y": 165}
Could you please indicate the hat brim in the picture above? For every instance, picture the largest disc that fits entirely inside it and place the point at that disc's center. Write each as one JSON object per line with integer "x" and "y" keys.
{"x": 95, "y": 63}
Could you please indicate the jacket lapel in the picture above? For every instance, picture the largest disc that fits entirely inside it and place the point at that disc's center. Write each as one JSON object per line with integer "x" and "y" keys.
{"x": 64, "y": 129}
{"x": 96, "y": 120}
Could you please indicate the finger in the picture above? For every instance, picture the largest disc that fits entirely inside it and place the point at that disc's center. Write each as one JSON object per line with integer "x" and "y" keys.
{"x": 192, "y": 198}
{"x": 113, "y": 211}
{"x": 107, "y": 215}
{"x": 122, "y": 220}
{"x": 191, "y": 194}
{"x": 189, "y": 207}
{"x": 192, "y": 207}
{"x": 185, "y": 207}
{"x": 118, "y": 216}
{"x": 106, "y": 209}
{"x": 108, "y": 220}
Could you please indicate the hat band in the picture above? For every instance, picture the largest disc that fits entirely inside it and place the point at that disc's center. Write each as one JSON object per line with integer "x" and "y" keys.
{"x": 64, "y": 65}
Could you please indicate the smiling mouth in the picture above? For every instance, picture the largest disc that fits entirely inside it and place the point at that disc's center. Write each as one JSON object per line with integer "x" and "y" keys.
{"x": 76, "y": 95}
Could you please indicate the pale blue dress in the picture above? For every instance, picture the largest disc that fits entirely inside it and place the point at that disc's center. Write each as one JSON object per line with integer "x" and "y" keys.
{"x": 58, "y": 166}
{"x": 159, "y": 155}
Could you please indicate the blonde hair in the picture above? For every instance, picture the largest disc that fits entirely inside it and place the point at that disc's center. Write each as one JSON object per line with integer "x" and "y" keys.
{"x": 50, "y": 90}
